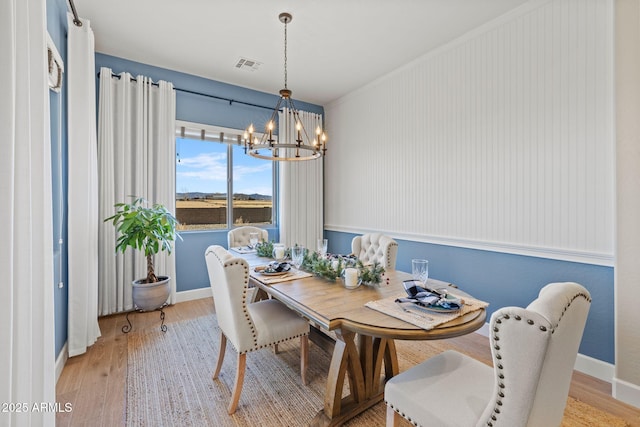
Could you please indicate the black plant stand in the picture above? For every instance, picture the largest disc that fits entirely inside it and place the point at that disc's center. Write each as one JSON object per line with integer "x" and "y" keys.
{"x": 127, "y": 328}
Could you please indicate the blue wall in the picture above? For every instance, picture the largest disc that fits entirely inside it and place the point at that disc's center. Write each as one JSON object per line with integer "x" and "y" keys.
{"x": 191, "y": 270}
{"x": 511, "y": 280}
{"x": 57, "y": 28}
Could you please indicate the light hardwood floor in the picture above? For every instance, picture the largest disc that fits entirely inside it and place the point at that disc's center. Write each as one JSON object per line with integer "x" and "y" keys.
{"x": 94, "y": 383}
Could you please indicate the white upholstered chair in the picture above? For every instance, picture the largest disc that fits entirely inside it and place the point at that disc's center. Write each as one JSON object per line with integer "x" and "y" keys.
{"x": 533, "y": 349}
{"x": 375, "y": 247}
{"x": 240, "y": 236}
{"x": 252, "y": 326}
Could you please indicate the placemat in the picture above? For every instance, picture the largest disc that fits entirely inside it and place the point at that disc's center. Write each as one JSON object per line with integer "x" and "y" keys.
{"x": 423, "y": 319}
{"x": 243, "y": 250}
{"x": 270, "y": 280}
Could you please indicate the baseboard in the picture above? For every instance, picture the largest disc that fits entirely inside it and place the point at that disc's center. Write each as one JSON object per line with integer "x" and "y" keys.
{"x": 193, "y": 294}
{"x": 596, "y": 368}
{"x": 587, "y": 365}
{"x": 626, "y": 392}
{"x": 61, "y": 360}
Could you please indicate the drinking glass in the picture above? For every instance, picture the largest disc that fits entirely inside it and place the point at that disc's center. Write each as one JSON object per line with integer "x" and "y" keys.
{"x": 322, "y": 246}
{"x": 297, "y": 256}
{"x": 253, "y": 240}
{"x": 420, "y": 270}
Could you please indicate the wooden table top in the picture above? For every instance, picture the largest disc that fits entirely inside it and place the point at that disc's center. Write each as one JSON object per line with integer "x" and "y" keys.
{"x": 329, "y": 305}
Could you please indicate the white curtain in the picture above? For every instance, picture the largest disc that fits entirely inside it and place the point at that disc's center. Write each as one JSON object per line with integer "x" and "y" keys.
{"x": 136, "y": 157}
{"x": 82, "y": 200}
{"x": 27, "y": 356}
{"x": 301, "y": 188}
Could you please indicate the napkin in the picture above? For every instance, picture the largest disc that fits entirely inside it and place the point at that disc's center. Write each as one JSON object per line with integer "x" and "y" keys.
{"x": 425, "y": 297}
{"x": 278, "y": 267}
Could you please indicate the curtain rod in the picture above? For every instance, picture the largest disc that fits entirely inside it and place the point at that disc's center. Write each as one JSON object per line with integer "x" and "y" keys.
{"x": 231, "y": 101}
{"x": 76, "y": 21}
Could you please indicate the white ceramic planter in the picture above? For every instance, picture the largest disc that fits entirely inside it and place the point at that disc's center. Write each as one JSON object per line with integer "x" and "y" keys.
{"x": 150, "y": 296}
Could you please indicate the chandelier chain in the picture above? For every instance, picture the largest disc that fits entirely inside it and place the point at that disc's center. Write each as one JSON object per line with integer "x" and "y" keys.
{"x": 285, "y": 54}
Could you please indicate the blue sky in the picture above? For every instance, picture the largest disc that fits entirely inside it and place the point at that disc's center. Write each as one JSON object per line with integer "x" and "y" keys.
{"x": 203, "y": 168}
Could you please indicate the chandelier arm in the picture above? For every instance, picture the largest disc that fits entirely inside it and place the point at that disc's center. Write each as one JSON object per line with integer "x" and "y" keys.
{"x": 304, "y": 130}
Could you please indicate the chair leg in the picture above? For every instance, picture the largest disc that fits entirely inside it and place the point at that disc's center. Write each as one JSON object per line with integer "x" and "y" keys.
{"x": 304, "y": 357}
{"x": 393, "y": 418}
{"x": 275, "y": 349}
{"x": 223, "y": 346}
{"x": 237, "y": 388}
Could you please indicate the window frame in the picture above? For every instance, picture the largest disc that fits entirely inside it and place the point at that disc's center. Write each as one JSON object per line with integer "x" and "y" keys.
{"x": 231, "y": 137}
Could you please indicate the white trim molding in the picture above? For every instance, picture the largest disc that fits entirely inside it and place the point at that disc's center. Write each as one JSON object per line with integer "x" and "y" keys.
{"x": 194, "y": 294}
{"x": 61, "y": 360}
{"x": 626, "y": 392}
{"x": 593, "y": 258}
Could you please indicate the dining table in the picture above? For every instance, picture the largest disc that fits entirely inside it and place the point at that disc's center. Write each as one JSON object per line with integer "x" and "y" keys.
{"x": 364, "y": 353}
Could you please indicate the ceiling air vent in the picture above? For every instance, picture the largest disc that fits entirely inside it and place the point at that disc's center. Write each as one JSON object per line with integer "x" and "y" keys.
{"x": 248, "y": 64}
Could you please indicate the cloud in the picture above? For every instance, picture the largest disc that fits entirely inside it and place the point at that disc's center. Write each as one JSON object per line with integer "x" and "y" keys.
{"x": 242, "y": 171}
{"x": 207, "y": 172}
{"x": 204, "y": 166}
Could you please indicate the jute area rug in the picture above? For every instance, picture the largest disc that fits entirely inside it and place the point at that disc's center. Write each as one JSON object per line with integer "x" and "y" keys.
{"x": 169, "y": 382}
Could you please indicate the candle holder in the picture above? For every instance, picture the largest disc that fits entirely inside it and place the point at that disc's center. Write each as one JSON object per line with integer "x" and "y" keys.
{"x": 279, "y": 252}
{"x": 351, "y": 278}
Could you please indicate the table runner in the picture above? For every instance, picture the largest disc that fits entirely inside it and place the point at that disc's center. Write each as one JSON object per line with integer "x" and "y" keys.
{"x": 291, "y": 275}
{"x": 423, "y": 319}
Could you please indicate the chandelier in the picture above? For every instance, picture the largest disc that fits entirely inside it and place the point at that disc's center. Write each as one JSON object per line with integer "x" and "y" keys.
{"x": 300, "y": 148}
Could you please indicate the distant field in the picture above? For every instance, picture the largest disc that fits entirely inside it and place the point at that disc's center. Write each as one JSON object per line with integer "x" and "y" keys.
{"x": 202, "y": 214}
{"x": 186, "y": 204}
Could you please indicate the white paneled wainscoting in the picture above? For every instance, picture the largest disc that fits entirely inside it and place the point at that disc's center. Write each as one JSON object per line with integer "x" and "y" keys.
{"x": 501, "y": 140}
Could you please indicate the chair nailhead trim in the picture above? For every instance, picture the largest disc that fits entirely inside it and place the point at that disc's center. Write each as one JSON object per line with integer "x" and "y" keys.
{"x": 402, "y": 414}
{"x": 498, "y": 356}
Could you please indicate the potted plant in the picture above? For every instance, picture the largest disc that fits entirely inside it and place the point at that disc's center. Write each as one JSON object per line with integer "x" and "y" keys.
{"x": 151, "y": 230}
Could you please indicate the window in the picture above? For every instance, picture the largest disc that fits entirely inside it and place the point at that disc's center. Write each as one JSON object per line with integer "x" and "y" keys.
{"x": 217, "y": 185}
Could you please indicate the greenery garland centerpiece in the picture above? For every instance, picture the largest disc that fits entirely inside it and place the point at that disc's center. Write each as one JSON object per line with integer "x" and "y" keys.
{"x": 331, "y": 268}
{"x": 321, "y": 266}
{"x": 264, "y": 249}
{"x": 370, "y": 274}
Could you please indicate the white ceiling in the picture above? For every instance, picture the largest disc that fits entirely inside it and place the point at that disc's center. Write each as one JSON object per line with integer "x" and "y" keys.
{"x": 334, "y": 46}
